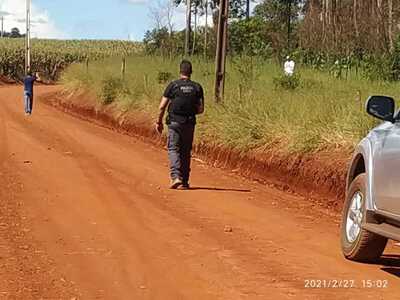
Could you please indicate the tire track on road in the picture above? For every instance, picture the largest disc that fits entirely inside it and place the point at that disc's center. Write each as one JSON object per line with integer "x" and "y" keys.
{"x": 26, "y": 272}
{"x": 3, "y": 137}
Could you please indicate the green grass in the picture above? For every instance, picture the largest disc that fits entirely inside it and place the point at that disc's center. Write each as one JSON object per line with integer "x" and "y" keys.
{"x": 324, "y": 113}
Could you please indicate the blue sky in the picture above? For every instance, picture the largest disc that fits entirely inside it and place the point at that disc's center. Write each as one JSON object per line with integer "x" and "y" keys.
{"x": 85, "y": 19}
{"x": 116, "y": 19}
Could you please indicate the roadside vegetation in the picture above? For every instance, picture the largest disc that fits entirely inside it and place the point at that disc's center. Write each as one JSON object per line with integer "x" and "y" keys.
{"x": 258, "y": 113}
{"x": 341, "y": 58}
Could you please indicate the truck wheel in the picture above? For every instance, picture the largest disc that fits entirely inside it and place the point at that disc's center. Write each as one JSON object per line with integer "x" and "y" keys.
{"x": 357, "y": 243}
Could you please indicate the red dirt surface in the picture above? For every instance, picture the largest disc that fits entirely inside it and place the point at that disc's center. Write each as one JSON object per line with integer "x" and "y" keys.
{"x": 85, "y": 214}
{"x": 320, "y": 177}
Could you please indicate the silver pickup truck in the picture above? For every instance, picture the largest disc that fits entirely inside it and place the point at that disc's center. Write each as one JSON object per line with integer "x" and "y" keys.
{"x": 371, "y": 213}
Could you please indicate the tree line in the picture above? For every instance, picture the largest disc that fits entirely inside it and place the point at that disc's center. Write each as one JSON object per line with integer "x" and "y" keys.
{"x": 345, "y": 26}
{"x": 14, "y": 33}
{"x": 323, "y": 33}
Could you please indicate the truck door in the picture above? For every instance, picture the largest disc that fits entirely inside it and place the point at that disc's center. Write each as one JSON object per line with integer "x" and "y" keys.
{"x": 387, "y": 170}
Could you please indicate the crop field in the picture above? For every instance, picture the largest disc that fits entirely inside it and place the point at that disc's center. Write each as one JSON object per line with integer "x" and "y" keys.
{"x": 50, "y": 57}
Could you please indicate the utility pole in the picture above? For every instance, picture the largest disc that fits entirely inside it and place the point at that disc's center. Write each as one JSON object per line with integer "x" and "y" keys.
{"x": 28, "y": 37}
{"x": 222, "y": 41}
{"x": 2, "y": 26}
{"x": 188, "y": 26}
{"x": 390, "y": 25}
{"x": 289, "y": 22}
{"x": 206, "y": 30}
{"x": 248, "y": 9}
{"x": 195, "y": 30}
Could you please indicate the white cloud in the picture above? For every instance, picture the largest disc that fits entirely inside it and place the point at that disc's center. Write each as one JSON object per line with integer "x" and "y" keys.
{"x": 180, "y": 16}
{"x": 137, "y": 1}
{"x": 4, "y": 13}
{"x": 14, "y": 12}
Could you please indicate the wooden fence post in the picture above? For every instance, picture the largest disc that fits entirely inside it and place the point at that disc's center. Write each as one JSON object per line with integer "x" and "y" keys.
{"x": 123, "y": 67}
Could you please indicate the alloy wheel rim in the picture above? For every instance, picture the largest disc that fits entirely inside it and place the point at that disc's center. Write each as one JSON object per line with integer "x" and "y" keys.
{"x": 354, "y": 217}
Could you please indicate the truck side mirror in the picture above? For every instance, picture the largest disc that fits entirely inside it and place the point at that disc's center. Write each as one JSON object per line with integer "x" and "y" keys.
{"x": 381, "y": 107}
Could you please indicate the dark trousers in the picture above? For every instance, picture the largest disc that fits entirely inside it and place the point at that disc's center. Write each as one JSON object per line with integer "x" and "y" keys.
{"x": 180, "y": 141}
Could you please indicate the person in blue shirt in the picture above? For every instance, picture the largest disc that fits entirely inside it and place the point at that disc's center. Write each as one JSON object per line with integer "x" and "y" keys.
{"x": 29, "y": 80}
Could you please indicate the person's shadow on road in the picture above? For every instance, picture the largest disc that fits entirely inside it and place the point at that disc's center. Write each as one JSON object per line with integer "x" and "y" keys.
{"x": 199, "y": 188}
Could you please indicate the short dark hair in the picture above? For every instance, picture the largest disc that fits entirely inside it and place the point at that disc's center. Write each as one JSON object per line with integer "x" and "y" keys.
{"x": 186, "y": 68}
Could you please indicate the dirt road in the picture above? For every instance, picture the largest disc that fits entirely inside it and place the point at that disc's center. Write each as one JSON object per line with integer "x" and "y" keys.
{"x": 85, "y": 214}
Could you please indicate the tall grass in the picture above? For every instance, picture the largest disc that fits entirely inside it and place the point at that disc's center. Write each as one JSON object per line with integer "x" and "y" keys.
{"x": 323, "y": 113}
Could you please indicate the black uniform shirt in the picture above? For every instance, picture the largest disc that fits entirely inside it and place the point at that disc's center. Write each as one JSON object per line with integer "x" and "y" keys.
{"x": 185, "y": 97}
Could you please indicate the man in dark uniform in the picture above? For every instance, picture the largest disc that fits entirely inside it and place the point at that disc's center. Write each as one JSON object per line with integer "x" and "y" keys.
{"x": 29, "y": 80}
{"x": 184, "y": 99}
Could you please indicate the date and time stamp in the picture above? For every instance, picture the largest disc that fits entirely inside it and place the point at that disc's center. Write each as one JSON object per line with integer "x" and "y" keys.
{"x": 345, "y": 284}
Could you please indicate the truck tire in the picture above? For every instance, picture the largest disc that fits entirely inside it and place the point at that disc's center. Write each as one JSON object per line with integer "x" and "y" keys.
{"x": 359, "y": 244}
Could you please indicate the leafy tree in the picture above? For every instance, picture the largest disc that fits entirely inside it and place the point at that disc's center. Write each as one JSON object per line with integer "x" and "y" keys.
{"x": 155, "y": 40}
{"x": 249, "y": 37}
{"x": 276, "y": 14}
{"x": 162, "y": 42}
{"x": 15, "y": 33}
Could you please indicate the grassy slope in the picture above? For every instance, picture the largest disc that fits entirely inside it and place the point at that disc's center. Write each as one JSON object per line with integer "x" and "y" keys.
{"x": 324, "y": 114}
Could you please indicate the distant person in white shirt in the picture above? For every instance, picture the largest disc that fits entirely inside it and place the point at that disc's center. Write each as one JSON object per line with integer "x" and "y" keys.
{"x": 289, "y": 66}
